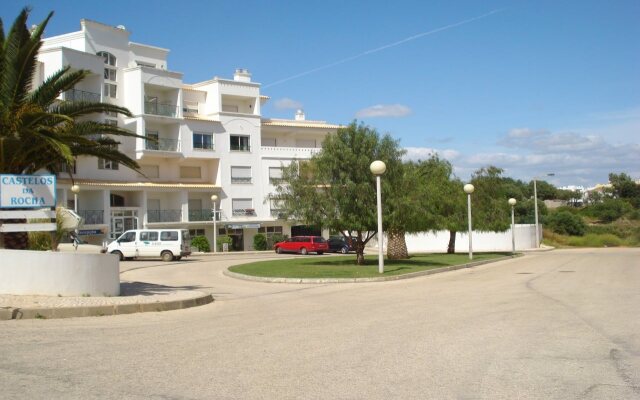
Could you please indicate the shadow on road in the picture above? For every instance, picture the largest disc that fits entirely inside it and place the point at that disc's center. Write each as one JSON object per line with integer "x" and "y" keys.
{"x": 150, "y": 289}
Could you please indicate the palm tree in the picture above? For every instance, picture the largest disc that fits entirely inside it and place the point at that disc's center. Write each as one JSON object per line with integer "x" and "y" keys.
{"x": 38, "y": 130}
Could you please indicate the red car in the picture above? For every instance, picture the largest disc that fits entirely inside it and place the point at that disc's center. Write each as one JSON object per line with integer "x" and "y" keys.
{"x": 303, "y": 245}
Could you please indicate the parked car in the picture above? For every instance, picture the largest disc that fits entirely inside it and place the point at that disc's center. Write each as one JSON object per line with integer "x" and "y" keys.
{"x": 340, "y": 244}
{"x": 302, "y": 244}
{"x": 168, "y": 244}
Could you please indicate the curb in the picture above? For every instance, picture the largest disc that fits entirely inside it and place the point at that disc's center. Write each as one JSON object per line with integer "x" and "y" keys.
{"x": 363, "y": 280}
{"x": 7, "y": 313}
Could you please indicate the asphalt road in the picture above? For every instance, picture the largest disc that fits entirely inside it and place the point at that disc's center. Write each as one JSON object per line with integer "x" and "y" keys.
{"x": 555, "y": 325}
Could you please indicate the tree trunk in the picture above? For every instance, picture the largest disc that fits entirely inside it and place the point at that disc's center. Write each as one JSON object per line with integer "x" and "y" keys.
{"x": 451, "y": 248}
{"x": 396, "y": 245}
{"x": 358, "y": 246}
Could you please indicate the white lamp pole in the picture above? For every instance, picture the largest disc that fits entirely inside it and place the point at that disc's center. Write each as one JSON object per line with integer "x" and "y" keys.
{"x": 377, "y": 168}
{"x": 214, "y": 199}
{"x": 468, "y": 189}
{"x": 512, "y": 203}
{"x": 75, "y": 189}
{"x": 535, "y": 203}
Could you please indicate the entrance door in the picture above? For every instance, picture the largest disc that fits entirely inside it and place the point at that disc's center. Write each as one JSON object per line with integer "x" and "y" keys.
{"x": 117, "y": 227}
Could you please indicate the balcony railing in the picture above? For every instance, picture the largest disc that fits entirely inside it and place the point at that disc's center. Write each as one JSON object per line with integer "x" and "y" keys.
{"x": 164, "y": 215}
{"x": 81, "y": 95}
{"x": 203, "y": 215}
{"x": 166, "y": 110}
{"x": 162, "y": 145}
{"x": 92, "y": 217}
{"x": 244, "y": 212}
{"x": 288, "y": 150}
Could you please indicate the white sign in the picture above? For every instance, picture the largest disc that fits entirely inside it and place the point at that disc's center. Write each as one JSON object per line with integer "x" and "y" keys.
{"x": 27, "y": 191}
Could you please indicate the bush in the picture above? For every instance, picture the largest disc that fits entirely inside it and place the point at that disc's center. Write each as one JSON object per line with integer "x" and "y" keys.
{"x": 201, "y": 243}
{"x": 260, "y": 242}
{"x": 275, "y": 238}
{"x": 593, "y": 240}
{"x": 40, "y": 241}
{"x": 608, "y": 210}
{"x": 224, "y": 239}
{"x": 566, "y": 223}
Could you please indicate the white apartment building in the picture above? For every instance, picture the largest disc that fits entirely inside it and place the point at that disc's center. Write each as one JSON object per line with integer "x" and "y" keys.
{"x": 209, "y": 138}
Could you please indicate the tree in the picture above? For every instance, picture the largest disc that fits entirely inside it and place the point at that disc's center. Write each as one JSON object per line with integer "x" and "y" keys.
{"x": 545, "y": 190}
{"x": 38, "y": 130}
{"x": 335, "y": 188}
{"x": 625, "y": 188}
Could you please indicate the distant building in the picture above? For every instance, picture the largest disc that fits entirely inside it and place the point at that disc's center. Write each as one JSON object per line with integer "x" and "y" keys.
{"x": 199, "y": 139}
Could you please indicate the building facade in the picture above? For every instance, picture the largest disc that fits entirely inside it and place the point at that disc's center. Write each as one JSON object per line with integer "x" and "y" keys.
{"x": 204, "y": 138}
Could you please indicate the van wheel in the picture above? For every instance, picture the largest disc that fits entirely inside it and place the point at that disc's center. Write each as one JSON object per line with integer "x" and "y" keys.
{"x": 304, "y": 251}
{"x": 167, "y": 256}
{"x": 278, "y": 250}
{"x": 344, "y": 250}
{"x": 119, "y": 254}
{"x": 320, "y": 253}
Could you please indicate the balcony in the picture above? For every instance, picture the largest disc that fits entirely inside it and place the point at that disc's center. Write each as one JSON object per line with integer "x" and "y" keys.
{"x": 81, "y": 95}
{"x": 203, "y": 215}
{"x": 290, "y": 152}
{"x": 164, "y": 216}
{"x": 164, "y": 110}
{"x": 244, "y": 212}
{"x": 162, "y": 145}
{"x": 92, "y": 217}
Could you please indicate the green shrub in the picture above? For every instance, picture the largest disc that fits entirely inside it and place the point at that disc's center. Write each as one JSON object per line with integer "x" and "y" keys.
{"x": 40, "y": 241}
{"x": 275, "y": 238}
{"x": 224, "y": 239}
{"x": 201, "y": 243}
{"x": 260, "y": 242}
{"x": 593, "y": 240}
{"x": 609, "y": 210}
{"x": 566, "y": 223}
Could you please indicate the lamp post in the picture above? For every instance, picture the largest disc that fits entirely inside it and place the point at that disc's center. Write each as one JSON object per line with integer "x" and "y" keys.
{"x": 535, "y": 205}
{"x": 512, "y": 203}
{"x": 214, "y": 199}
{"x": 377, "y": 168}
{"x": 468, "y": 189}
{"x": 75, "y": 189}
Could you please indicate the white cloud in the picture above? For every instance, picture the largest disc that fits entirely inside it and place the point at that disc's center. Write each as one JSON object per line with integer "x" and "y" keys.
{"x": 287, "y": 104}
{"x": 548, "y": 142}
{"x": 384, "y": 110}
{"x": 423, "y": 153}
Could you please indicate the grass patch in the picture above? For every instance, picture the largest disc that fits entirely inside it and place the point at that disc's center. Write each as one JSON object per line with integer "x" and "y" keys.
{"x": 597, "y": 236}
{"x": 344, "y": 266}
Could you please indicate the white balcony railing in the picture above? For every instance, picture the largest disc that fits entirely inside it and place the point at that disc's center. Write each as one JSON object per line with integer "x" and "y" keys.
{"x": 290, "y": 150}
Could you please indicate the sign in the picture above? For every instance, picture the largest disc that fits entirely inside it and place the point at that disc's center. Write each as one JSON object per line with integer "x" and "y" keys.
{"x": 27, "y": 191}
{"x": 89, "y": 232}
{"x": 243, "y": 226}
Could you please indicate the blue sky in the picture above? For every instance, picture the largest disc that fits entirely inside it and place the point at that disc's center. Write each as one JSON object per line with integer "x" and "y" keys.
{"x": 529, "y": 86}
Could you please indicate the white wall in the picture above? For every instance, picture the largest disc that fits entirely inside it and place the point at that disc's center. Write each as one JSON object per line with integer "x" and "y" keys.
{"x": 437, "y": 242}
{"x": 24, "y": 272}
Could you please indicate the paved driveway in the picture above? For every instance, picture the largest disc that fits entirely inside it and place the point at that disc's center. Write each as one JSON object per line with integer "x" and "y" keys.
{"x": 556, "y": 325}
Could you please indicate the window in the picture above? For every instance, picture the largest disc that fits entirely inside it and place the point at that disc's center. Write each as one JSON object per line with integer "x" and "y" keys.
{"x": 190, "y": 172}
{"x": 127, "y": 237}
{"x": 110, "y": 90}
{"x": 196, "y": 232}
{"x": 153, "y": 142}
{"x": 270, "y": 229}
{"x": 240, "y": 174}
{"x": 275, "y": 175}
{"x": 269, "y": 142}
{"x": 190, "y": 107}
{"x": 110, "y": 74}
{"x": 112, "y": 122}
{"x": 145, "y": 64}
{"x": 202, "y": 141}
{"x": 240, "y": 143}
{"x": 148, "y": 236}
{"x": 107, "y": 164}
{"x": 242, "y": 207}
{"x": 116, "y": 200}
{"x": 167, "y": 236}
{"x": 150, "y": 171}
{"x": 68, "y": 169}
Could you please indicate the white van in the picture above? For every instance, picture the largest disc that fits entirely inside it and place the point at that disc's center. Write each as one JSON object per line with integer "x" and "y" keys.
{"x": 168, "y": 244}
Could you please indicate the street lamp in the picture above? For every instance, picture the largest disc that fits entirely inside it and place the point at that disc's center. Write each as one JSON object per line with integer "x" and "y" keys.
{"x": 377, "y": 168}
{"x": 214, "y": 199}
{"x": 535, "y": 203}
{"x": 468, "y": 189}
{"x": 75, "y": 189}
{"x": 512, "y": 203}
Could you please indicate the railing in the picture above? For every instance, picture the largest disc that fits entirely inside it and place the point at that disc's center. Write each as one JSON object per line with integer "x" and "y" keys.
{"x": 244, "y": 212}
{"x": 281, "y": 149}
{"x": 166, "y": 110}
{"x": 81, "y": 95}
{"x": 203, "y": 215}
{"x": 235, "y": 179}
{"x": 164, "y": 215}
{"x": 162, "y": 144}
{"x": 92, "y": 217}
